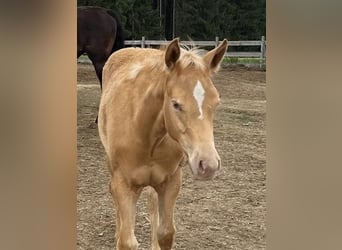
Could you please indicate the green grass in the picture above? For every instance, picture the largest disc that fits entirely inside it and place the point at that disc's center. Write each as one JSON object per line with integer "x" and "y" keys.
{"x": 241, "y": 60}
{"x": 226, "y": 61}
{"x": 246, "y": 61}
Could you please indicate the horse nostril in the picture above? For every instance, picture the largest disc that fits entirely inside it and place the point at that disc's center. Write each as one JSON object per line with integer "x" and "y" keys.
{"x": 201, "y": 166}
{"x": 218, "y": 164}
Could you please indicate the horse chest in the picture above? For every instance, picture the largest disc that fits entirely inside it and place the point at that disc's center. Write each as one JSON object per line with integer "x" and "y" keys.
{"x": 153, "y": 173}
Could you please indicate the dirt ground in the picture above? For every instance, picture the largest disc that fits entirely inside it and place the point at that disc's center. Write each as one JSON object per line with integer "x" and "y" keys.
{"x": 228, "y": 212}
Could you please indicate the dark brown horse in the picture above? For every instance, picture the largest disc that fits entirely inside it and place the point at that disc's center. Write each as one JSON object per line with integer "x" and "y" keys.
{"x": 99, "y": 34}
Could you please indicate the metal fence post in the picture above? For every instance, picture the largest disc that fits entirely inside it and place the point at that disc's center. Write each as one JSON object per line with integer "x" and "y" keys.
{"x": 262, "y": 51}
{"x": 216, "y": 41}
{"x": 143, "y": 42}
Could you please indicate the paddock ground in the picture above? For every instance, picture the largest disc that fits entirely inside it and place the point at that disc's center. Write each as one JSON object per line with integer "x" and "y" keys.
{"x": 226, "y": 213}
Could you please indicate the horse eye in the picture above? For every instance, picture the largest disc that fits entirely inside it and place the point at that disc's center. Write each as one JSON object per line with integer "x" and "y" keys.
{"x": 177, "y": 105}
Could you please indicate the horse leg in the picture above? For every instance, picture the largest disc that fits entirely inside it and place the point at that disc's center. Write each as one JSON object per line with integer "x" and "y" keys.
{"x": 154, "y": 217}
{"x": 98, "y": 65}
{"x": 114, "y": 200}
{"x": 116, "y": 206}
{"x": 98, "y": 60}
{"x": 167, "y": 194}
{"x": 125, "y": 198}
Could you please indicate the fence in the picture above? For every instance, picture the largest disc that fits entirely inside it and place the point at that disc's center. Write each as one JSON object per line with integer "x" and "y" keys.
{"x": 261, "y": 53}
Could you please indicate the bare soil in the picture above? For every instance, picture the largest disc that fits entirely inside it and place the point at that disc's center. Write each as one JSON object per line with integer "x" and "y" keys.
{"x": 226, "y": 213}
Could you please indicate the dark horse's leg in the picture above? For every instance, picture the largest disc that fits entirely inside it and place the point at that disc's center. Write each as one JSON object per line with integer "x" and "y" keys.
{"x": 98, "y": 63}
{"x": 98, "y": 68}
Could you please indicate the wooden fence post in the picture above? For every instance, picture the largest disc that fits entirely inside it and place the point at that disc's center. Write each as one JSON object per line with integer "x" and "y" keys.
{"x": 143, "y": 42}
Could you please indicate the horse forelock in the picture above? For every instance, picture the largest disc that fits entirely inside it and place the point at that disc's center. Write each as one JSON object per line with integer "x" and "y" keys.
{"x": 192, "y": 59}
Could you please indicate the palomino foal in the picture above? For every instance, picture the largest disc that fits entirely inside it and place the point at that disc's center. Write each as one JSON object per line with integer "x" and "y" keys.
{"x": 156, "y": 113}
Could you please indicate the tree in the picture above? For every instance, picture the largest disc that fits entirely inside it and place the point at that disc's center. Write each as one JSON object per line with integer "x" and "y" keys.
{"x": 169, "y": 19}
{"x": 197, "y": 19}
{"x": 144, "y": 20}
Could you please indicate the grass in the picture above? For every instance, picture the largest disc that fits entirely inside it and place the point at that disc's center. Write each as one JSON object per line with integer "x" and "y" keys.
{"x": 241, "y": 60}
{"x": 246, "y": 61}
{"x": 83, "y": 58}
{"x": 226, "y": 61}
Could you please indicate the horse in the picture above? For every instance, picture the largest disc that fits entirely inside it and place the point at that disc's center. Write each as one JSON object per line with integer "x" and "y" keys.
{"x": 99, "y": 34}
{"x": 156, "y": 116}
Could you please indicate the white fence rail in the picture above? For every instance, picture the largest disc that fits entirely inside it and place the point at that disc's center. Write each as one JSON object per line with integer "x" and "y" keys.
{"x": 261, "y": 53}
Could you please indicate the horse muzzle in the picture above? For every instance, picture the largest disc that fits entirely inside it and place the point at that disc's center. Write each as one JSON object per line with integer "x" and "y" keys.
{"x": 205, "y": 169}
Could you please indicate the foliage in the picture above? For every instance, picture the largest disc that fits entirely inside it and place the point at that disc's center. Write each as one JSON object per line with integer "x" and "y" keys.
{"x": 195, "y": 19}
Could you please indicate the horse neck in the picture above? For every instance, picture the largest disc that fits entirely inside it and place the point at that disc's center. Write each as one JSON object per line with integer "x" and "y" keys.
{"x": 151, "y": 119}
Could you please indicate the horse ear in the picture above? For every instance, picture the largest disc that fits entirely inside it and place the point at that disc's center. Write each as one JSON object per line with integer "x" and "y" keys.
{"x": 172, "y": 53}
{"x": 214, "y": 57}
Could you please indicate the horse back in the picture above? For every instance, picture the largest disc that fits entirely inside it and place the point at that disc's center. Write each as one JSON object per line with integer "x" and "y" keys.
{"x": 130, "y": 79}
{"x": 94, "y": 28}
{"x": 126, "y": 64}
{"x": 94, "y": 20}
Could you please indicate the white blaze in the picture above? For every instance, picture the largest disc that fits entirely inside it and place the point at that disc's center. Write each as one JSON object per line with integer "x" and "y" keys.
{"x": 199, "y": 97}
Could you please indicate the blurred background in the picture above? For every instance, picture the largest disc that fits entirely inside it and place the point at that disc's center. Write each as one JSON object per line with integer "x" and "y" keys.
{"x": 197, "y": 19}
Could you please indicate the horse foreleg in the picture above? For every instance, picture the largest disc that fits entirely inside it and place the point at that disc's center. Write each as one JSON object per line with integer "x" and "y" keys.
{"x": 117, "y": 214}
{"x": 167, "y": 194}
{"x": 154, "y": 216}
{"x": 125, "y": 198}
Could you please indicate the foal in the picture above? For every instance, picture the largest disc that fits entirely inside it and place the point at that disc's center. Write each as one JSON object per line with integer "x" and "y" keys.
{"x": 156, "y": 113}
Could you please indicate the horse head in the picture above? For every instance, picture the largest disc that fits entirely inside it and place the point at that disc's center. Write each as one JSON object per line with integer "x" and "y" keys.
{"x": 190, "y": 100}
